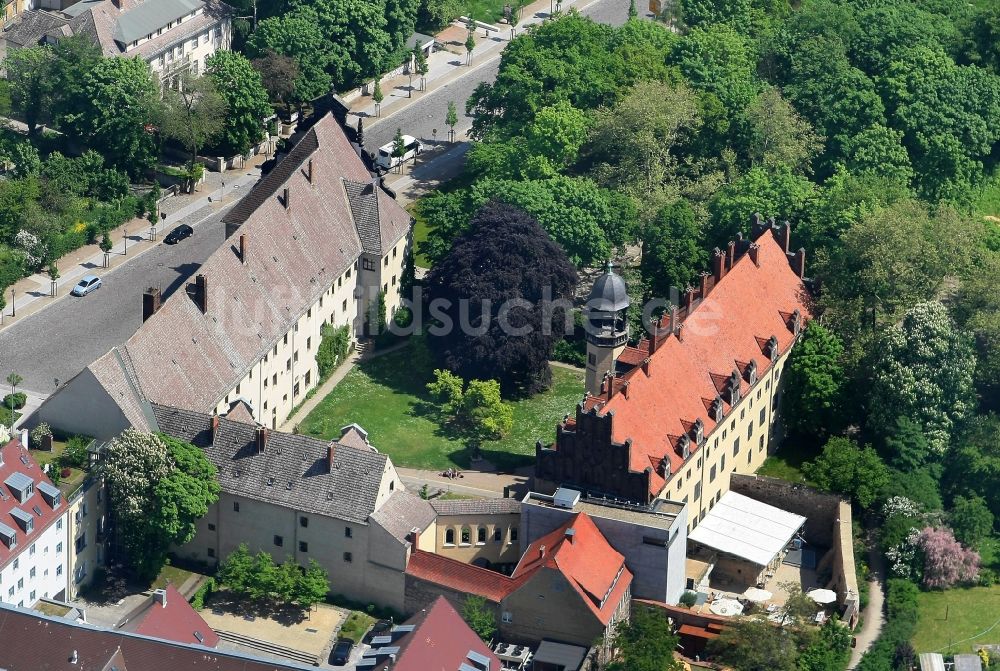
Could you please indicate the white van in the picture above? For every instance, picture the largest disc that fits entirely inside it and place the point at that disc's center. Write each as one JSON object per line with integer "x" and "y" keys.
{"x": 385, "y": 158}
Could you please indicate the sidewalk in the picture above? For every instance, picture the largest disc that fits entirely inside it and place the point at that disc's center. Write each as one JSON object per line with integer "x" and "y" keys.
{"x": 874, "y": 614}
{"x": 32, "y": 294}
{"x": 449, "y": 64}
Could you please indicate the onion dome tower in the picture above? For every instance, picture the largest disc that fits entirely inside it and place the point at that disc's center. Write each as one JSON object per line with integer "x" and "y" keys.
{"x": 607, "y": 326}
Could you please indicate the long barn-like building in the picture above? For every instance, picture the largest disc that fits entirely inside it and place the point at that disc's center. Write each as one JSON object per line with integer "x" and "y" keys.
{"x": 314, "y": 242}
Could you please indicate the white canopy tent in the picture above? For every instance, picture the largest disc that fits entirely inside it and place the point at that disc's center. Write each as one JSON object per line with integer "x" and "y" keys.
{"x": 747, "y": 529}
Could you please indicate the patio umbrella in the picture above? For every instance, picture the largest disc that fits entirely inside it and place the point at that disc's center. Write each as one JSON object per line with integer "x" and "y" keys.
{"x": 822, "y": 596}
{"x": 727, "y": 607}
{"x": 757, "y": 595}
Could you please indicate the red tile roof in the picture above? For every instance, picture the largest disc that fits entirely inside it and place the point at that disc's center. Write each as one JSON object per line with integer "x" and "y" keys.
{"x": 595, "y": 569}
{"x": 440, "y": 640}
{"x": 460, "y": 576}
{"x": 16, "y": 459}
{"x": 723, "y": 332}
{"x": 175, "y": 620}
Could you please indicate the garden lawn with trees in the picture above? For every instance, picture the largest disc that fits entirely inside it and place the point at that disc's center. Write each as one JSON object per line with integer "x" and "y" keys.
{"x": 387, "y": 395}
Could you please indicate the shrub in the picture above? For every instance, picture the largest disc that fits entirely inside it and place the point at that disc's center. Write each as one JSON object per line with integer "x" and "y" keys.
{"x": 16, "y": 401}
{"x": 688, "y": 599}
{"x": 332, "y": 348}
{"x": 204, "y": 592}
{"x": 75, "y": 454}
{"x": 39, "y": 433}
{"x": 570, "y": 351}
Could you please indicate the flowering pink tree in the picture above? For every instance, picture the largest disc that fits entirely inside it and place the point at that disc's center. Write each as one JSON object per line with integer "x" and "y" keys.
{"x": 946, "y": 562}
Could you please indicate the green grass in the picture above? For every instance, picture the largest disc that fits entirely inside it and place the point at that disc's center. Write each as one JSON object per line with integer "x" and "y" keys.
{"x": 951, "y": 616}
{"x": 356, "y": 626}
{"x": 988, "y": 202}
{"x": 172, "y": 574}
{"x": 786, "y": 463}
{"x": 386, "y": 396}
{"x": 489, "y": 11}
{"x": 5, "y": 417}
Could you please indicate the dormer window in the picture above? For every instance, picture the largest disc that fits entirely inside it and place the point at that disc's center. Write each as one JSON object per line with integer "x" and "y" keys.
{"x": 717, "y": 410}
{"x": 8, "y": 536}
{"x": 751, "y": 372}
{"x": 21, "y": 486}
{"x": 23, "y": 519}
{"x": 51, "y": 494}
{"x": 684, "y": 446}
{"x": 734, "y": 388}
{"x": 665, "y": 467}
{"x": 771, "y": 349}
{"x": 698, "y": 432}
{"x": 795, "y": 323}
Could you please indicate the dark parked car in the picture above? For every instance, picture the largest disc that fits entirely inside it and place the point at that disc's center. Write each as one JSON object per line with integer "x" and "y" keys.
{"x": 178, "y": 234}
{"x": 380, "y": 628}
{"x": 341, "y": 653}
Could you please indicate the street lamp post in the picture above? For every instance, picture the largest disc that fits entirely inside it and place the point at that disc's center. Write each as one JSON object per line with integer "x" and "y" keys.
{"x": 125, "y": 243}
{"x": 13, "y": 307}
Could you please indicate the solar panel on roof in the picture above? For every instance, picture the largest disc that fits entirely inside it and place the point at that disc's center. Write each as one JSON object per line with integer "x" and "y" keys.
{"x": 365, "y": 662}
{"x": 381, "y": 640}
{"x": 479, "y": 658}
{"x": 404, "y": 628}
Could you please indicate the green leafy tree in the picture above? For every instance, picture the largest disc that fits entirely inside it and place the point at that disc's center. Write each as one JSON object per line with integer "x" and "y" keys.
{"x": 312, "y": 585}
{"x": 159, "y": 488}
{"x": 977, "y": 309}
{"x": 846, "y": 468}
{"x": 299, "y": 37}
{"x": 489, "y": 418}
{"x": 451, "y": 118}
{"x": 378, "y": 97}
{"x": 433, "y": 15}
{"x": 778, "y": 136}
{"x": 906, "y": 445}
{"x": 30, "y": 90}
{"x": 421, "y": 66}
{"x": 194, "y": 113}
{"x": 446, "y": 390}
{"x": 736, "y": 13}
{"x": 635, "y": 145}
{"x": 120, "y": 100}
{"x": 924, "y": 371}
{"x": 974, "y": 467}
{"x": 398, "y": 145}
{"x": 470, "y": 45}
{"x": 755, "y": 645}
{"x": 478, "y": 614}
{"x": 971, "y": 520}
{"x": 245, "y": 99}
{"x": 644, "y": 642}
{"x": 356, "y": 41}
{"x": 672, "y": 250}
{"x": 556, "y": 135}
{"x": 13, "y": 379}
{"x": 774, "y": 192}
{"x": 830, "y": 650}
{"x": 400, "y": 18}
{"x": 236, "y": 572}
{"x": 264, "y": 578}
{"x": 278, "y": 74}
{"x": 879, "y": 151}
{"x": 633, "y": 11}
{"x": 815, "y": 387}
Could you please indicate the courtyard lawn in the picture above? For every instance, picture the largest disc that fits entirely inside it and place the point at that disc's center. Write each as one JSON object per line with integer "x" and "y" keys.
{"x": 950, "y": 617}
{"x": 386, "y": 396}
{"x": 356, "y": 626}
{"x": 171, "y": 574}
{"x": 786, "y": 463}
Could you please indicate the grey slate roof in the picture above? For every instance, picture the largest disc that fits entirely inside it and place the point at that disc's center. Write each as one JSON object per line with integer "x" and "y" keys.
{"x": 476, "y": 506}
{"x": 32, "y": 27}
{"x": 349, "y": 491}
{"x": 402, "y": 513}
{"x": 148, "y": 17}
{"x": 364, "y": 208}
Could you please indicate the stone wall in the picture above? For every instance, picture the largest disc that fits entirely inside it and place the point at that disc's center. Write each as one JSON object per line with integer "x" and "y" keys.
{"x": 819, "y": 509}
{"x": 828, "y": 524}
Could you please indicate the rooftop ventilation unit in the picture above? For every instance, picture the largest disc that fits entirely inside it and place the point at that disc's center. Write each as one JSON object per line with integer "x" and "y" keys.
{"x": 566, "y": 498}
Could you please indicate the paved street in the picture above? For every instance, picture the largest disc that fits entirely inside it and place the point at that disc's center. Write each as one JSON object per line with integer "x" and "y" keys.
{"x": 66, "y": 337}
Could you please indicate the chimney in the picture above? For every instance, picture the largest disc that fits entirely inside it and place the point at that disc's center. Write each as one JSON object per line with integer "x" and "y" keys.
{"x": 688, "y": 299}
{"x": 680, "y": 332}
{"x": 704, "y": 284}
{"x": 414, "y": 537}
{"x": 261, "y": 438}
{"x": 24, "y": 438}
{"x": 151, "y": 300}
{"x": 570, "y": 533}
{"x": 730, "y": 254}
{"x": 645, "y": 366}
{"x": 309, "y": 171}
{"x": 799, "y": 262}
{"x": 160, "y": 596}
{"x": 753, "y": 253}
{"x": 609, "y": 381}
{"x": 757, "y": 226}
{"x": 201, "y": 293}
{"x": 215, "y": 428}
{"x": 674, "y": 321}
{"x": 285, "y": 194}
{"x": 541, "y": 552}
{"x": 74, "y": 657}
{"x": 243, "y": 248}
{"x": 718, "y": 264}
{"x": 785, "y": 236}
{"x": 331, "y": 452}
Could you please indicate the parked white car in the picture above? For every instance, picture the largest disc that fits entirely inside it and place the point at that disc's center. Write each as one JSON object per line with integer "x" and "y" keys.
{"x": 386, "y": 160}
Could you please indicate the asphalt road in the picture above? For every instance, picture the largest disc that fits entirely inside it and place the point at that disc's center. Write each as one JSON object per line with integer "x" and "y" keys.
{"x": 58, "y": 342}
{"x": 420, "y": 117}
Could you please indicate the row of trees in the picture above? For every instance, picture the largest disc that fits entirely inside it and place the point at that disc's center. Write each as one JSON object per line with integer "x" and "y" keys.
{"x": 258, "y": 578}
{"x": 114, "y": 105}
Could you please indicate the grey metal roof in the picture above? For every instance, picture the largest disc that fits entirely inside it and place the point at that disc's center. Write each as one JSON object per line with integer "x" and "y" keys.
{"x": 18, "y": 481}
{"x": 418, "y": 39}
{"x": 48, "y": 490}
{"x": 7, "y": 532}
{"x": 363, "y": 197}
{"x": 609, "y": 293}
{"x": 21, "y": 516}
{"x": 79, "y": 8}
{"x": 150, "y": 16}
{"x": 476, "y": 506}
{"x": 296, "y": 466}
{"x": 560, "y": 654}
